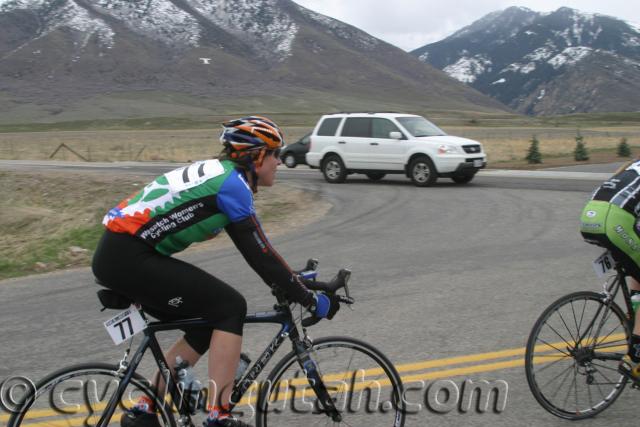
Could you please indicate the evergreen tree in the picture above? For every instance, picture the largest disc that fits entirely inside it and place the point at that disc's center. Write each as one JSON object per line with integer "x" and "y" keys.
{"x": 581, "y": 153}
{"x": 623, "y": 148}
{"x": 533, "y": 155}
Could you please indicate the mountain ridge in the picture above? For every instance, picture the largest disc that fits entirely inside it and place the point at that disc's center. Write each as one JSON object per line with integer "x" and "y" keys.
{"x": 517, "y": 55}
{"x": 223, "y": 54}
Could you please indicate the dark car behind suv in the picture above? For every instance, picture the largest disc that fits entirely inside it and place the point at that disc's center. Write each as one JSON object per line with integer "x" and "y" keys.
{"x": 294, "y": 154}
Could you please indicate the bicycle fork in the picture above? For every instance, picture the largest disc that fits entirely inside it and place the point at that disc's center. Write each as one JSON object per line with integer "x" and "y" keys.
{"x": 314, "y": 376}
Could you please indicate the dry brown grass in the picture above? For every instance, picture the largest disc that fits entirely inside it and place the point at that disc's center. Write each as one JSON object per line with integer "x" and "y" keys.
{"x": 52, "y": 220}
{"x": 119, "y": 145}
{"x": 511, "y": 144}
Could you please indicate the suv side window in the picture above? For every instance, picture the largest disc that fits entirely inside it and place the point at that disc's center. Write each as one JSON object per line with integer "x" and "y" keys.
{"x": 329, "y": 127}
{"x": 357, "y": 127}
{"x": 382, "y": 127}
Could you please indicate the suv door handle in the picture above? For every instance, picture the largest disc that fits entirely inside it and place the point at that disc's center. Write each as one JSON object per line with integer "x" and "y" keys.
{"x": 341, "y": 142}
{"x": 373, "y": 143}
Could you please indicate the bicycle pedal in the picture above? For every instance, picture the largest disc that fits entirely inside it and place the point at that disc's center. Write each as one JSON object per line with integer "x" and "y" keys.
{"x": 635, "y": 382}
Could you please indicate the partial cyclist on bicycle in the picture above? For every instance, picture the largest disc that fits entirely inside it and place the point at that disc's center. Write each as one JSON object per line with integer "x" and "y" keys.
{"x": 612, "y": 219}
{"x": 188, "y": 205}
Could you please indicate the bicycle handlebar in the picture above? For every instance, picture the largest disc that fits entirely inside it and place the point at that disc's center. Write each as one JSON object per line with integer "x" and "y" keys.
{"x": 340, "y": 281}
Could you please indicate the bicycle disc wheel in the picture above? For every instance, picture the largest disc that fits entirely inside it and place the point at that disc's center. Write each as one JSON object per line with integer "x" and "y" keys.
{"x": 573, "y": 354}
{"x": 364, "y": 385}
{"x": 76, "y": 397}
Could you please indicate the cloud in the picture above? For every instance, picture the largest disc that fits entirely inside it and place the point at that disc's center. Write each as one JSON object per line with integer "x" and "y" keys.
{"x": 410, "y": 24}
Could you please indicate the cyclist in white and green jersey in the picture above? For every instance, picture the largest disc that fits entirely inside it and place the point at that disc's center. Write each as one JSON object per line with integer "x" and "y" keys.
{"x": 188, "y": 205}
{"x": 611, "y": 220}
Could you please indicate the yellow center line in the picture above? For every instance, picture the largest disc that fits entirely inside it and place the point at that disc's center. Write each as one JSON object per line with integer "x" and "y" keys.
{"x": 75, "y": 422}
{"x": 370, "y": 374}
{"x": 490, "y": 355}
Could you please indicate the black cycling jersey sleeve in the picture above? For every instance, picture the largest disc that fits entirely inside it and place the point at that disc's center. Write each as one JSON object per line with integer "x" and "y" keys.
{"x": 256, "y": 249}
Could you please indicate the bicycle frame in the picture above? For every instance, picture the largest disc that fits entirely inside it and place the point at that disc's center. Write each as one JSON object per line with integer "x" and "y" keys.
{"x": 281, "y": 315}
{"x": 609, "y": 293}
{"x": 620, "y": 282}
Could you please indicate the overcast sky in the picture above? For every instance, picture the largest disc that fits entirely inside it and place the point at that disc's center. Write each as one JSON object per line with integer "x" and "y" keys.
{"x": 410, "y": 24}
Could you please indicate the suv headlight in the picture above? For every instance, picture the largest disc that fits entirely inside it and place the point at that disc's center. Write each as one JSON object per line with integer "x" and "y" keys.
{"x": 448, "y": 149}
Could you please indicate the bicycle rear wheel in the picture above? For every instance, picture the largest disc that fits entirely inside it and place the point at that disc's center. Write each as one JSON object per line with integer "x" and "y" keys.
{"x": 78, "y": 395}
{"x": 365, "y": 386}
{"x": 573, "y": 353}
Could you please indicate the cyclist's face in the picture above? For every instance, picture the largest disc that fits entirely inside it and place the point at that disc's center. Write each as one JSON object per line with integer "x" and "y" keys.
{"x": 267, "y": 170}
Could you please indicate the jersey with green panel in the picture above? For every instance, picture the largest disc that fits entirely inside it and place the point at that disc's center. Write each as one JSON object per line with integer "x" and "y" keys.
{"x": 185, "y": 205}
{"x": 613, "y": 211}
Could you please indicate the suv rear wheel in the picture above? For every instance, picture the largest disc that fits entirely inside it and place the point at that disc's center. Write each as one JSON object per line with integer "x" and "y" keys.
{"x": 422, "y": 171}
{"x": 290, "y": 160}
{"x": 333, "y": 169}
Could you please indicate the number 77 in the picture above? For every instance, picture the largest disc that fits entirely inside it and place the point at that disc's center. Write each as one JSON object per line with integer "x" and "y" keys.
{"x": 121, "y": 326}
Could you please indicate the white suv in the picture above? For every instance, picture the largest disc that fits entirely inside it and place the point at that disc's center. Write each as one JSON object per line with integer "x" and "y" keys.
{"x": 377, "y": 144}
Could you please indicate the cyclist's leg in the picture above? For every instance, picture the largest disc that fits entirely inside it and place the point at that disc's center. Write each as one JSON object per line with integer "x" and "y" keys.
{"x": 634, "y": 285}
{"x": 612, "y": 227}
{"x": 226, "y": 308}
{"x": 620, "y": 231}
{"x": 634, "y": 345}
{"x": 169, "y": 288}
{"x": 224, "y": 355}
{"x": 179, "y": 348}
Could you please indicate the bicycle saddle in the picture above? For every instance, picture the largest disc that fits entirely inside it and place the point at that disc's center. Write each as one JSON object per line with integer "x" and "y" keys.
{"x": 112, "y": 299}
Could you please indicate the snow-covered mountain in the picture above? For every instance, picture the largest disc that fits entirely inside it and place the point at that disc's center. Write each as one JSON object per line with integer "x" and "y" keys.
{"x": 230, "y": 52}
{"x": 545, "y": 63}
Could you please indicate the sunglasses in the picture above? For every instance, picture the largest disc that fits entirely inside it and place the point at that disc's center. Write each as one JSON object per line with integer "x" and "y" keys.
{"x": 274, "y": 153}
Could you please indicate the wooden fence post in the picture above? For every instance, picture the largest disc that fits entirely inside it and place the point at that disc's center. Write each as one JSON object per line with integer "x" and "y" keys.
{"x": 63, "y": 145}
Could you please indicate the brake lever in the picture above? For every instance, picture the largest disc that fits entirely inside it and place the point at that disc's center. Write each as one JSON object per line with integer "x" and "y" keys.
{"x": 347, "y": 300}
{"x": 346, "y": 273}
{"x": 312, "y": 264}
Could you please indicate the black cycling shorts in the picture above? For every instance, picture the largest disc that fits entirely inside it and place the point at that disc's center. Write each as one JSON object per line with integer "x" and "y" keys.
{"x": 168, "y": 288}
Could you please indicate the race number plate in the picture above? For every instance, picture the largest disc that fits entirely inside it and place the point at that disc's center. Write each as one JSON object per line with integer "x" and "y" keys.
{"x": 604, "y": 264}
{"x": 477, "y": 163}
{"x": 125, "y": 325}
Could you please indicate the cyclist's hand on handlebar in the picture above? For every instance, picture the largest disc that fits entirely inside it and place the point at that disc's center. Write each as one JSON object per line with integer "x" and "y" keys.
{"x": 326, "y": 305}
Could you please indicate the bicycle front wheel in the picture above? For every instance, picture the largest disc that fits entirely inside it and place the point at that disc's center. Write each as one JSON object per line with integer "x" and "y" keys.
{"x": 573, "y": 354}
{"x": 364, "y": 385}
{"x": 78, "y": 395}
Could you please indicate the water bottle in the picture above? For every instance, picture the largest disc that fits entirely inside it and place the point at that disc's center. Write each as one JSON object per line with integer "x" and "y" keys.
{"x": 188, "y": 384}
{"x": 635, "y": 302}
{"x": 243, "y": 364}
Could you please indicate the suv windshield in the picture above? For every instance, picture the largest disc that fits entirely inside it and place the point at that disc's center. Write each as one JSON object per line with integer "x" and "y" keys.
{"x": 419, "y": 126}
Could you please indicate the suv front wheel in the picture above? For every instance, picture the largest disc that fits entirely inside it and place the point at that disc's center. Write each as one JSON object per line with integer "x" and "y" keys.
{"x": 422, "y": 171}
{"x": 333, "y": 169}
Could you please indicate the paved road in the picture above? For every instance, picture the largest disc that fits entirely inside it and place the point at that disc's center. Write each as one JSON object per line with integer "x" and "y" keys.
{"x": 153, "y": 168}
{"x": 438, "y": 273}
{"x": 598, "y": 168}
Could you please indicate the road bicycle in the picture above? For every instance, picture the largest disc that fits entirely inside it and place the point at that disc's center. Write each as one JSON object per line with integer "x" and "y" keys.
{"x": 574, "y": 350}
{"x": 328, "y": 381}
